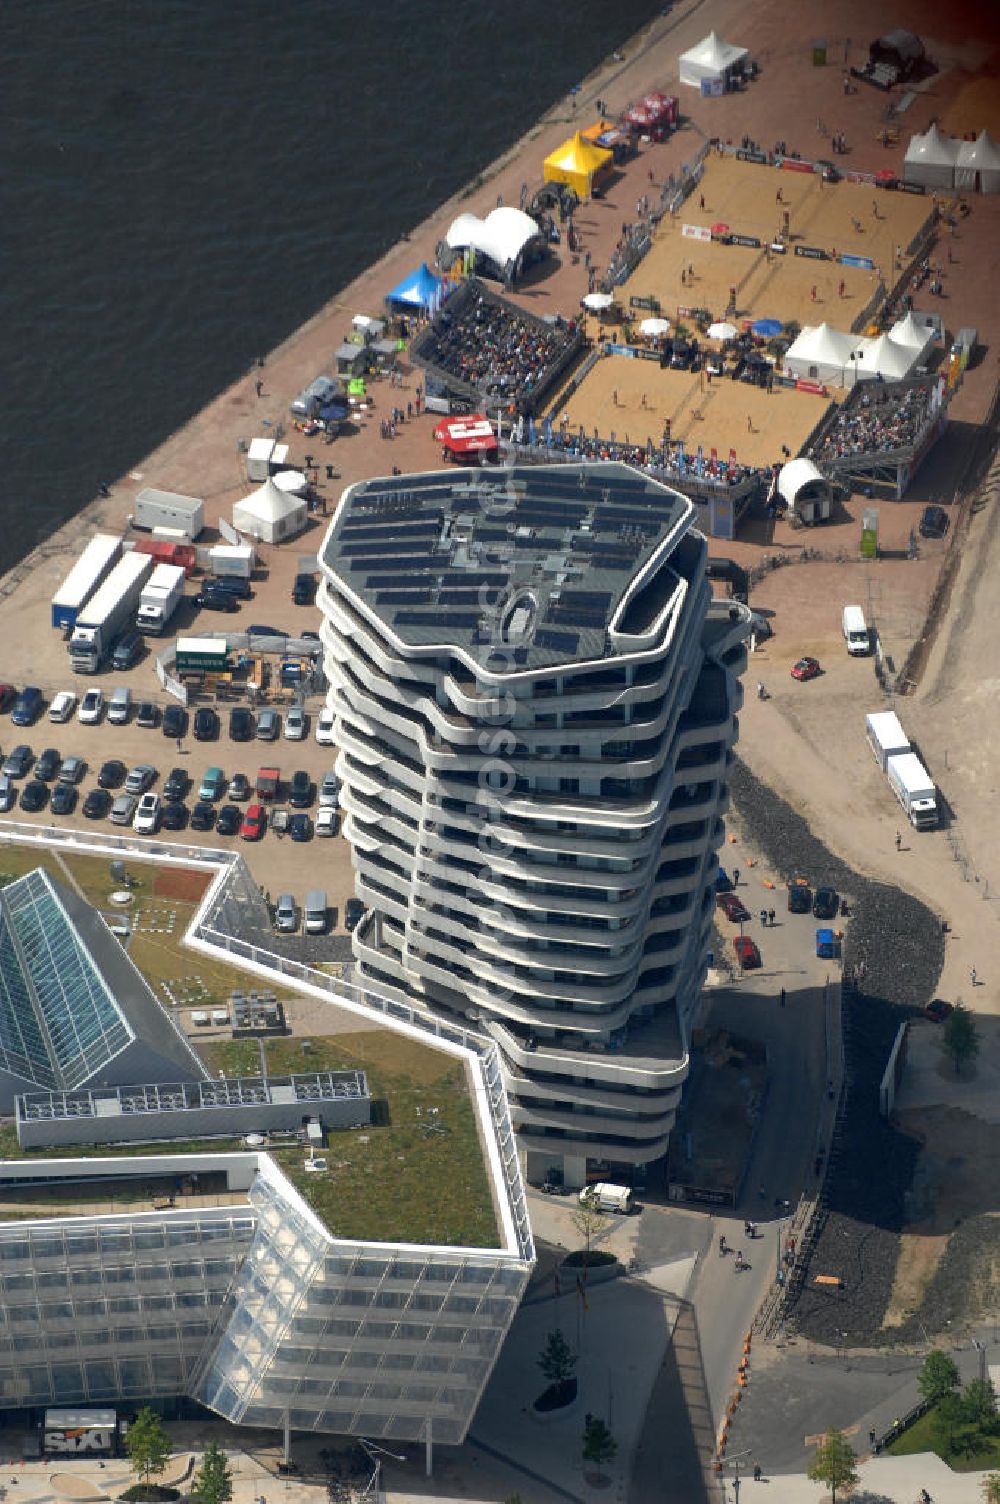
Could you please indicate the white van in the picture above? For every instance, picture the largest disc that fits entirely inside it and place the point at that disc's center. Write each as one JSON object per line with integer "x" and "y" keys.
{"x": 119, "y": 705}
{"x": 607, "y": 1197}
{"x": 314, "y": 911}
{"x": 856, "y": 631}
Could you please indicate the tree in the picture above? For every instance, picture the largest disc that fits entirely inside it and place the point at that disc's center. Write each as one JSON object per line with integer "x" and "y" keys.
{"x": 938, "y": 1377}
{"x": 991, "y": 1488}
{"x": 834, "y": 1464}
{"x": 599, "y": 1446}
{"x": 213, "y": 1482}
{"x": 948, "y": 1417}
{"x": 960, "y": 1036}
{"x": 147, "y": 1444}
{"x": 557, "y": 1362}
{"x": 589, "y": 1220}
{"x": 979, "y": 1404}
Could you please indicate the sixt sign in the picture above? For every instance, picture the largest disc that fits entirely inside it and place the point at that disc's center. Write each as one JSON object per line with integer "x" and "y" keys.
{"x": 812, "y": 251}
{"x": 750, "y": 240}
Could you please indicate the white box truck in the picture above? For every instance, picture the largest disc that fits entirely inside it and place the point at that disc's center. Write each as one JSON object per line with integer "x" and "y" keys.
{"x": 914, "y": 787}
{"x": 856, "y": 632}
{"x": 182, "y": 516}
{"x": 886, "y": 736}
{"x": 160, "y": 597}
{"x": 232, "y": 560}
{"x": 91, "y": 568}
{"x": 107, "y": 612}
{"x": 607, "y": 1197}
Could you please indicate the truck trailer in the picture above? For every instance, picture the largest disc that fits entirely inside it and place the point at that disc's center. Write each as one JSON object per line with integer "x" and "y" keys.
{"x": 914, "y": 787}
{"x": 92, "y": 567}
{"x": 201, "y": 655}
{"x": 886, "y": 736}
{"x": 166, "y": 552}
{"x": 232, "y": 561}
{"x": 183, "y": 515}
{"x": 160, "y": 598}
{"x": 107, "y": 612}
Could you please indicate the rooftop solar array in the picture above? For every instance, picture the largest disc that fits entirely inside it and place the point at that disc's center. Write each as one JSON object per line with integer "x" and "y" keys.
{"x": 193, "y": 1096}
{"x": 448, "y": 559}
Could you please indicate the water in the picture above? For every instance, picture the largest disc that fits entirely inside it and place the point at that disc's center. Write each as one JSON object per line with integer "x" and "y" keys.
{"x": 186, "y": 181}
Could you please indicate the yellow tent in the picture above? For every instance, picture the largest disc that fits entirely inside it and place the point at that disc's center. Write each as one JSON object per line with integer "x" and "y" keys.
{"x": 580, "y": 164}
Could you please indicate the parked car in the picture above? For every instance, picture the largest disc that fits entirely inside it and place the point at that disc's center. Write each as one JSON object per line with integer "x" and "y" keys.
{"x": 286, "y": 914}
{"x": 206, "y": 724}
{"x": 216, "y": 600}
{"x": 826, "y": 904}
{"x": 353, "y": 912}
{"x": 300, "y": 826}
{"x": 139, "y": 778}
{"x": 27, "y": 706}
{"x": 112, "y": 774}
{"x": 203, "y": 815}
{"x": 229, "y": 821}
{"x": 97, "y": 804}
{"x": 933, "y": 522}
{"x": 177, "y": 784}
{"x": 174, "y": 815}
{"x": 799, "y": 896}
{"x": 18, "y": 760}
{"x": 300, "y": 790}
{"x": 175, "y": 721}
{"x": 148, "y": 714}
{"x": 123, "y": 809}
{"x": 34, "y": 796}
{"x": 62, "y": 707}
{"x": 732, "y": 907}
{"x": 260, "y": 629}
{"x": 746, "y": 952}
{"x": 147, "y": 816}
{"x": 91, "y": 707}
{"x": 329, "y": 791}
{"x": 213, "y": 784}
{"x": 304, "y": 589}
{"x": 8, "y": 794}
{"x": 228, "y": 584}
{"x": 268, "y": 724}
{"x": 128, "y": 649}
{"x": 47, "y": 765}
{"x": 937, "y": 1010}
{"x": 254, "y": 822}
{"x": 239, "y": 787}
{"x": 72, "y": 769}
{"x": 241, "y": 724}
{"x": 119, "y": 705}
{"x": 296, "y": 723}
{"x": 324, "y": 728}
{"x": 806, "y": 668}
{"x": 327, "y": 821}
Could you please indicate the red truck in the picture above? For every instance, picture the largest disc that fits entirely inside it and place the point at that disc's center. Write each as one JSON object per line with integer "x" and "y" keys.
{"x": 268, "y": 783}
{"x": 165, "y": 552}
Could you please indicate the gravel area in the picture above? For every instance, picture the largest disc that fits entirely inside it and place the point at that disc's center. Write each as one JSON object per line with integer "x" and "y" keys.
{"x": 894, "y": 951}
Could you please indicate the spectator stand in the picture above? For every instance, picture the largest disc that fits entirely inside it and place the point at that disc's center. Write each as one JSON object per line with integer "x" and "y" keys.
{"x": 481, "y": 351}
{"x": 879, "y": 437}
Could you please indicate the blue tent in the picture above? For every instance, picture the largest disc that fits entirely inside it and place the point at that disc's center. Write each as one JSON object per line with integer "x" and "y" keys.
{"x": 416, "y": 290}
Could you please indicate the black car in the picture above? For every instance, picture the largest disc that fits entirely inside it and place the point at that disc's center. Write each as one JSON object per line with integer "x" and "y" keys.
{"x": 148, "y": 714}
{"x": 203, "y": 815}
{"x": 228, "y": 584}
{"x": 353, "y": 910}
{"x": 300, "y": 827}
{"x": 176, "y": 785}
{"x": 300, "y": 790}
{"x": 175, "y": 721}
{"x": 64, "y": 798}
{"x": 206, "y": 724}
{"x": 112, "y": 774}
{"x": 304, "y": 589}
{"x": 174, "y": 815}
{"x": 933, "y": 522}
{"x": 128, "y": 649}
{"x": 241, "y": 724}
{"x": 18, "y": 760}
{"x": 47, "y": 765}
{"x": 97, "y": 804}
{"x": 34, "y": 796}
{"x": 217, "y": 600}
{"x": 239, "y": 786}
{"x": 229, "y": 821}
{"x": 826, "y": 903}
{"x": 256, "y": 629}
{"x": 799, "y": 896}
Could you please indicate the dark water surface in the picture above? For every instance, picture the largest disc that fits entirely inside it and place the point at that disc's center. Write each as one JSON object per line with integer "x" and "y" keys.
{"x": 182, "y": 183}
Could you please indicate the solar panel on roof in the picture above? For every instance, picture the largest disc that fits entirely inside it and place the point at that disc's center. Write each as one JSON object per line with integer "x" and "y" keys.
{"x": 610, "y": 561}
{"x": 491, "y": 594}
{"x": 445, "y": 620}
{"x": 420, "y": 522}
{"x": 597, "y": 599}
{"x": 414, "y": 562}
{"x": 556, "y": 642}
{"x": 389, "y": 542}
{"x": 402, "y": 597}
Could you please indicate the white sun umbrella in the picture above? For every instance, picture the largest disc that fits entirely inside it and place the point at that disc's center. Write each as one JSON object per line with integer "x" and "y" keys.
{"x": 598, "y": 302}
{"x": 654, "y": 326}
{"x": 722, "y": 330}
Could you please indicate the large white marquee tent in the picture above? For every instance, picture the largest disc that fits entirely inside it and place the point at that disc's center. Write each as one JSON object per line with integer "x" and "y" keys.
{"x": 505, "y": 238}
{"x": 712, "y": 58}
{"x": 978, "y": 165}
{"x": 931, "y": 160}
{"x": 822, "y": 354}
{"x": 270, "y": 514}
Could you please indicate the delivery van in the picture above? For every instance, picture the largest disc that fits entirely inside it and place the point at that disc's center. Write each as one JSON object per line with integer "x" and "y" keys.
{"x": 607, "y": 1197}
{"x": 856, "y": 631}
{"x": 314, "y": 912}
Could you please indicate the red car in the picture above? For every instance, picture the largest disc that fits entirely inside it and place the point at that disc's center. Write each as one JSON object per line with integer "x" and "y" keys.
{"x": 254, "y": 822}
{"x": 732, "y": 907}
{"x": 806, "y": 668}
{"x": 747, "y": 953}
{"x": 938, "y": 1010}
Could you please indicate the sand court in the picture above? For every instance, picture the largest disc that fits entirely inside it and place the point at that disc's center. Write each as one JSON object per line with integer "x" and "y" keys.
{"x": 632, "y": 399}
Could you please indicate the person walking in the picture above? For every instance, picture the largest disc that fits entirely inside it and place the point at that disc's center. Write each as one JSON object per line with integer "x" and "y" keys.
{"x": 736, "y": 877}
{"x": 763, "y": 918}
{"x": 973, "y": 975}
{"x": 770, "y": 918}
{"x": 899, "y": 841}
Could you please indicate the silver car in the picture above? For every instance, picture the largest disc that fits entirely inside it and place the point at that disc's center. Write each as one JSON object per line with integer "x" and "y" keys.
{"x": 123, "y": 809}
{"x": 286, "y": 914}
{"x": 268, "y": 725}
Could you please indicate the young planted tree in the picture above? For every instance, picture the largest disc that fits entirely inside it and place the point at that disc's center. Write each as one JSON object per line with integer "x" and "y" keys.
{"x": 991, "y": 1488}
{"x": 599, "y": 1446}
{"x": 213, "y": 1482}
{"x": 147, "y": 1444}
{"x": 979, "y": 1405}
{"x": 960, "y": 1036}
{"x": 938, "y": 1377}
{"x": 589, "y": 1220}
{"x": 557, "y": 1361}
{"x": 834, "y": 1464}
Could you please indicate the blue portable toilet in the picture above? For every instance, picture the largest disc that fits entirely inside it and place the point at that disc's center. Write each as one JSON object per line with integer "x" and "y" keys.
{"x": 827, "y": 944}
{"x": 723, "y": 882}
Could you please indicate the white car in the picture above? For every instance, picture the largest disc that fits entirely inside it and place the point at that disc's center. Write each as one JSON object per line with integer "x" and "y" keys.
{"x": 327, "y": 821}
{"x": 62, "y": 706}
{"x": 8, "y": 794}
{"x": 296, "y": 724}
{"x": 91, "y": 707}
{"x": 324, "y": 728}
{"x": 329, "y": 791}
{"x": 147, "y": 816}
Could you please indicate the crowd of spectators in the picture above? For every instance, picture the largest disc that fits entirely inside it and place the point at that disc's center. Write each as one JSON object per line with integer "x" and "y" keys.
{"x": 492, "y": 346}
{"x": 876, "y": 421}
{"x": 665, "y": 461}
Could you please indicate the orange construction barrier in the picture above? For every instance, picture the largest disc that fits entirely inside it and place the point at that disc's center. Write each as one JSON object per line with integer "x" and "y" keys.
{"x": 768, "y": 883}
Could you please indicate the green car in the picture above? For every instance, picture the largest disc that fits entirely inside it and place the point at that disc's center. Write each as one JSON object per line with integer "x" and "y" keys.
{"x": 213, "y": 784}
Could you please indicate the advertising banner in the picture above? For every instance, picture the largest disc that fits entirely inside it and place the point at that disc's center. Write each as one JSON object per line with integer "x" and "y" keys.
{"x": 812, "y": 251}
{"x": 696, "y": 232}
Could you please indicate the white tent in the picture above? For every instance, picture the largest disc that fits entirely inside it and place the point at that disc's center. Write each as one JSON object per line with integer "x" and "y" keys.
{"x": 930, "y": 159}
{"x": 712, "y": 59}
{"x": 978, "y": 165}
{"x": 806, "y": 490}
{"x": 884, "y": 357}
{"x": 822, "y": 354}
{"x": 915, "y": 332}
{"x": 503, "y": 237}
{"x": 270, "y": 514}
